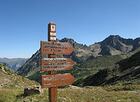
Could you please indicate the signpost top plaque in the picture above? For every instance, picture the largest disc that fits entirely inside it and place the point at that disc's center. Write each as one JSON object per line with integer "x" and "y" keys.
{"x": 52, "y": 32}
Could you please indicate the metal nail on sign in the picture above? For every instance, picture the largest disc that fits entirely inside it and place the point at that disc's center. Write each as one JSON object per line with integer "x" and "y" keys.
{"x": 57, "y": 80}
{"x": 56, "y": 48}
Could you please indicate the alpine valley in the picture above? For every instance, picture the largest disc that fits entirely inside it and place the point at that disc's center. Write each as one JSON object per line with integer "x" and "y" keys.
{"x": 111, "y": 61}
{"x": 107, "y": 71}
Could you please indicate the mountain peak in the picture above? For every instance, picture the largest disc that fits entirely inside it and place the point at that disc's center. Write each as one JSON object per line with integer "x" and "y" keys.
{"x": 112, "y": 45}
{"x": 115, "y": 44}
{"x": 114, "y": 36}
{"x": 70, "y": 40}
{"x": 111, "y": 40}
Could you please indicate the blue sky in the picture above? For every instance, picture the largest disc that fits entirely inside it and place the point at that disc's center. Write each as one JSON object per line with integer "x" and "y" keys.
{"x": 23, "y": 23}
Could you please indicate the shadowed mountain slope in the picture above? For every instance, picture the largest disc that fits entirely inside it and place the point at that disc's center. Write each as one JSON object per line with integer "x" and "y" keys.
{"x": 114, "y": 46}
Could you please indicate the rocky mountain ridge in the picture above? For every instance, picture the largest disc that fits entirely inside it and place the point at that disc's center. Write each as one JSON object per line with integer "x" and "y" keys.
{"x": 112, "y": 45}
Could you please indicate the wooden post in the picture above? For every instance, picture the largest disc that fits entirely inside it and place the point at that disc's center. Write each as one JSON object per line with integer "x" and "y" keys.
{"x": 52, "y": 37}
{"x": 52, "y": 94}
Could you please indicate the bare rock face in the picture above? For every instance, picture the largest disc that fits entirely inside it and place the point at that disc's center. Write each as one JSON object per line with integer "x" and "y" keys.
{"x": 114, "y": 45}
{"x": 95, "y": 49}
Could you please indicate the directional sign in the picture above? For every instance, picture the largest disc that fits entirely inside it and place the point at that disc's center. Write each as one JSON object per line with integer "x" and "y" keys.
{"x": 51, "y": 60}
{"x": 56, "y": 48}
{"x": 56, "y": 80}
{"x": 50, "y": 64}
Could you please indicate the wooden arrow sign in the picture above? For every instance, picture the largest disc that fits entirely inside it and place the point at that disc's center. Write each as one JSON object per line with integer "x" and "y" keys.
{"x": 56, "y": 80}
{"x": 56, "y": 48}
{"x": 50, "y": 64}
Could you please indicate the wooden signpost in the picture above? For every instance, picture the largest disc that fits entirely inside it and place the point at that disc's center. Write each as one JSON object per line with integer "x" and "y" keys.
{"x": 52, "y": 60}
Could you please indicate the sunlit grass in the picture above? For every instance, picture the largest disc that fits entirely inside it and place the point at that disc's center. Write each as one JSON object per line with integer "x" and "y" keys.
{"x": 76, "y": 94}
{"x": 97, "y": 94}
{"x": 9, "y": 95}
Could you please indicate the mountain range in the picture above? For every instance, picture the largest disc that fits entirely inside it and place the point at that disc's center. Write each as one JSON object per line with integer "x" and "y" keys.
{"x": 107, "y": 56}
{"x": 13, "y": 63}
{"x": 112, "y": 45}
{"x": 115, "y": 60}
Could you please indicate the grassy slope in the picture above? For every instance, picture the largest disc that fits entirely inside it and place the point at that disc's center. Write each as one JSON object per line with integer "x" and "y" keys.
{"x": 9, "y": 79}
{"x": 72, "y": 94}
{"x": 92, "y": 66}
{"x": 89, "y": 67}
{"x": 117, "y": 93}
{"x": 12, "y": 85}
{"x": 126, "y": 71}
